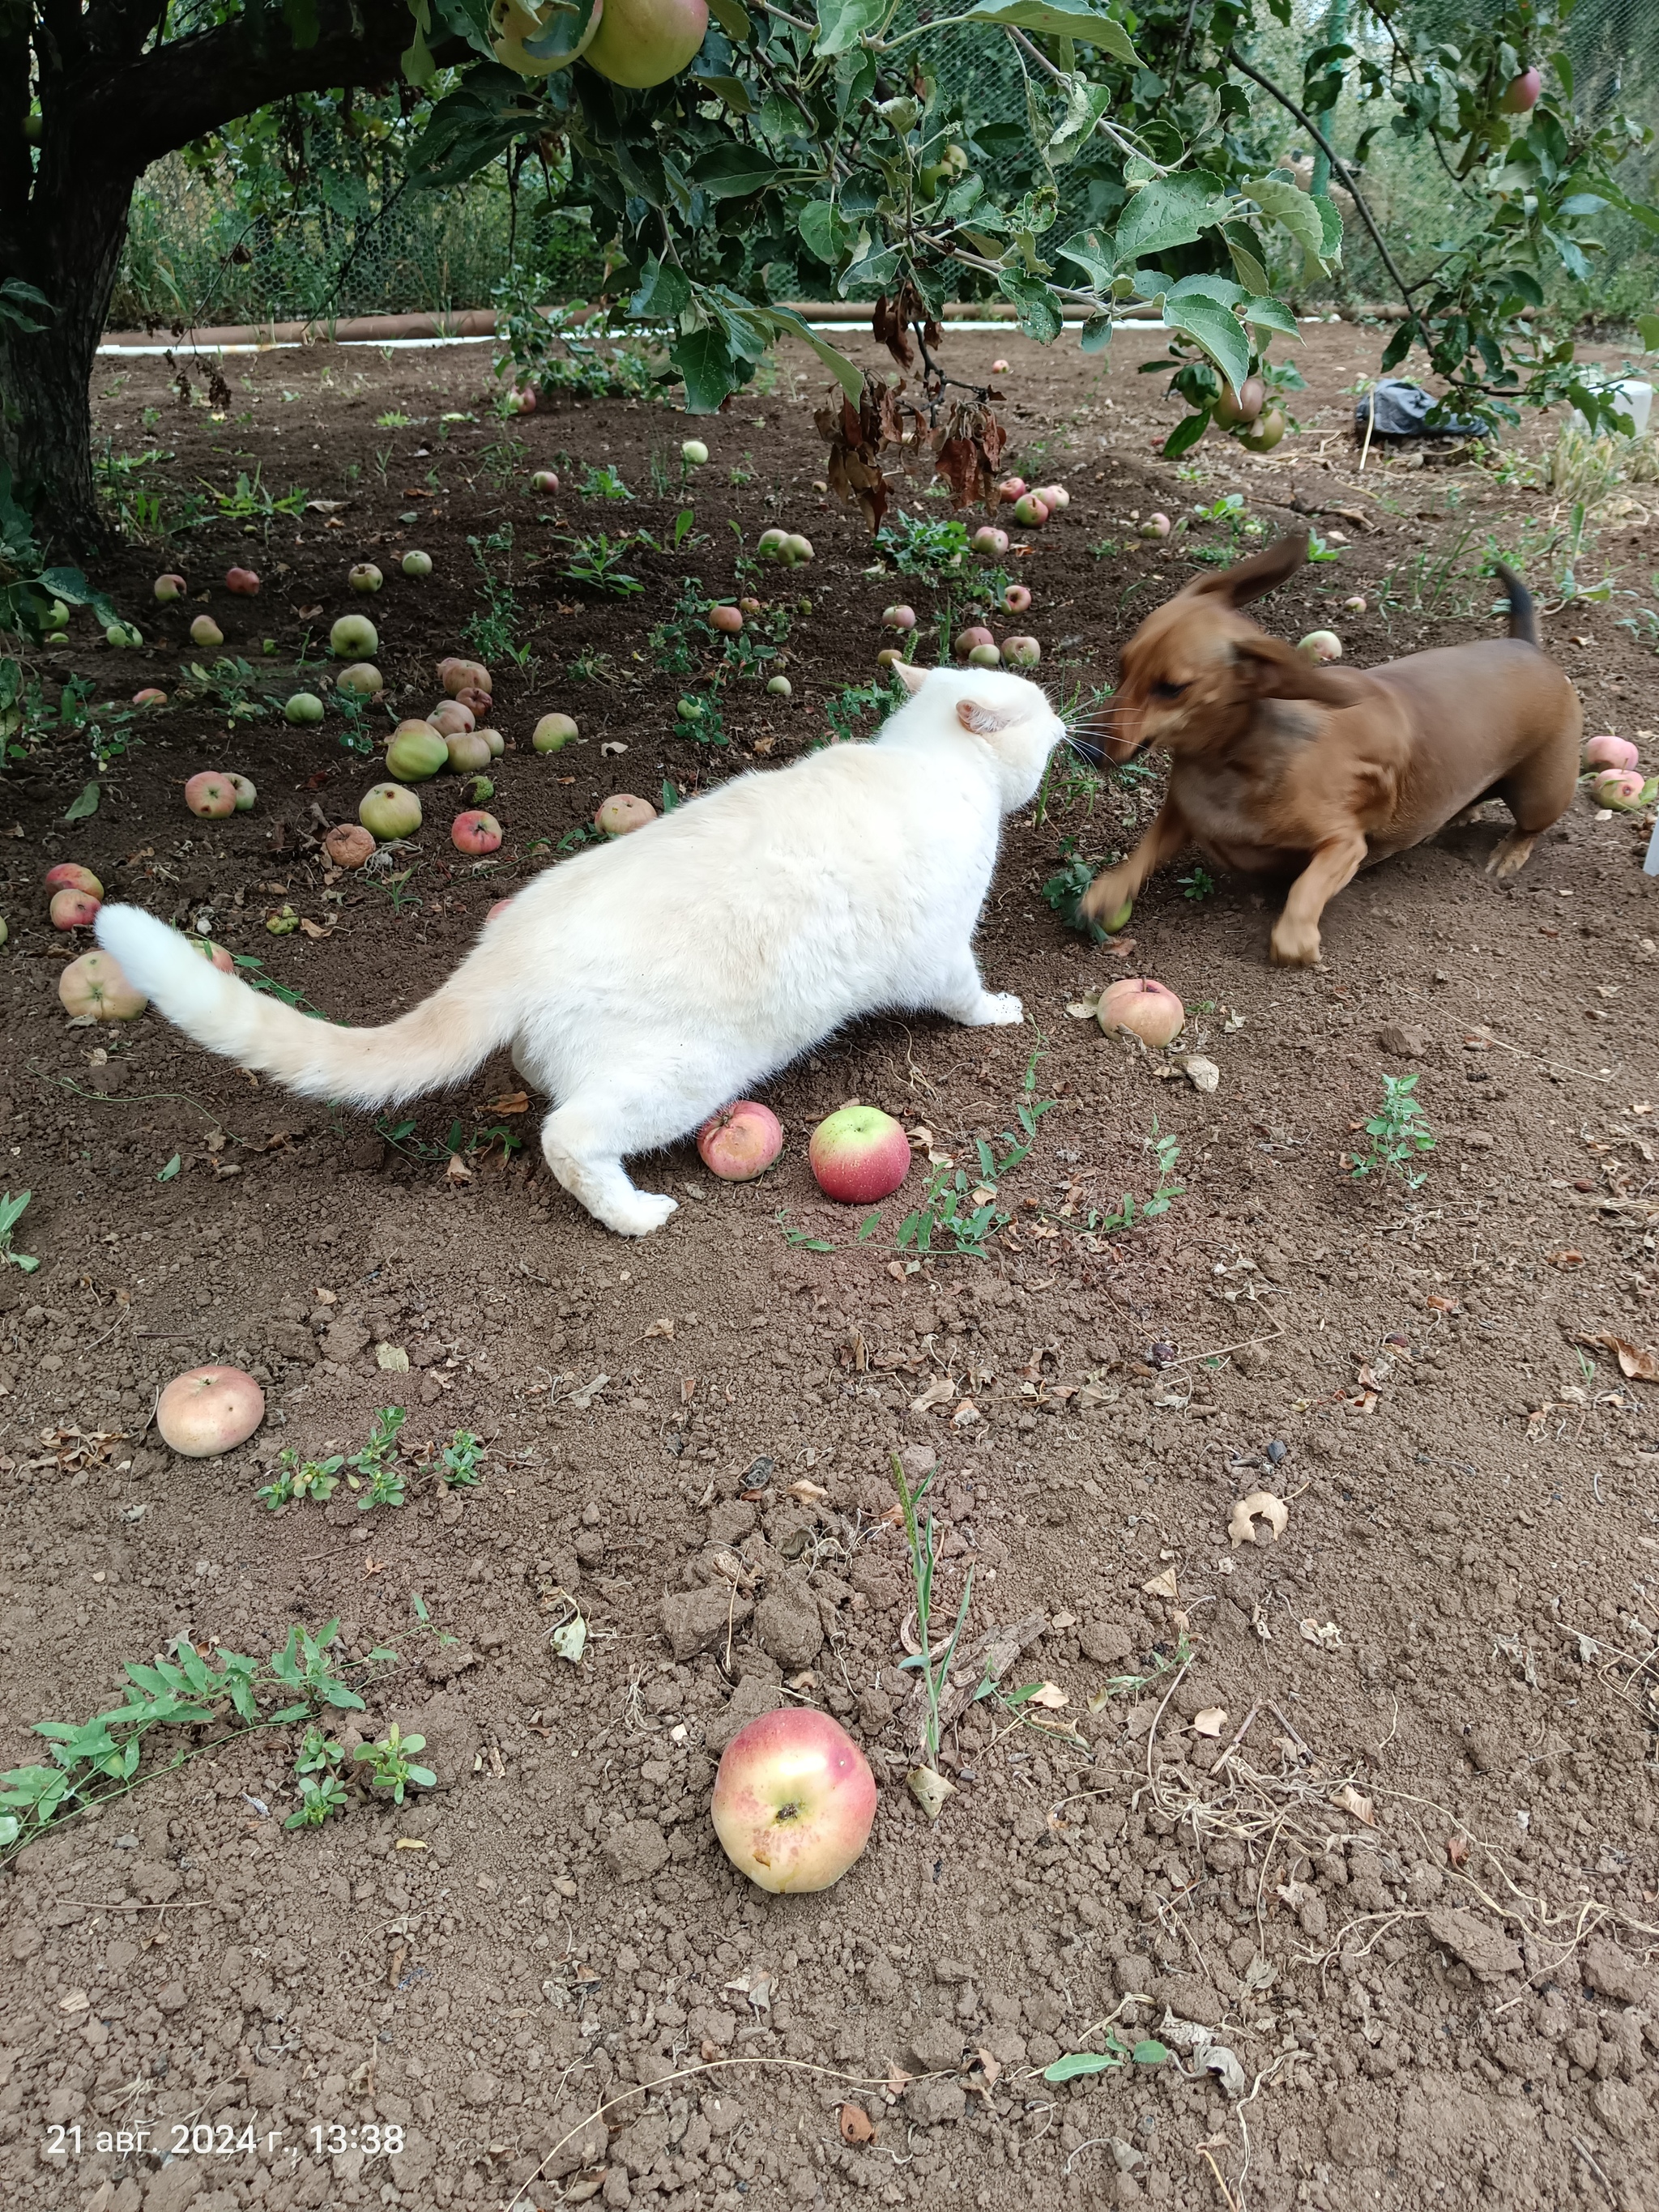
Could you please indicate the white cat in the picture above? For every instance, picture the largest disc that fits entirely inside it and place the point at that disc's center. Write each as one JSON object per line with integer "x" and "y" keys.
{"x": 645, "y": 983}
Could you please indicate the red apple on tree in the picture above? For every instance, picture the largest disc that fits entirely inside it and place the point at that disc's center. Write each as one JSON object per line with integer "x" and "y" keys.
{"x": 859, "y": 1155}
{"x": 794, "y": 1801}
{"x": 741, "y": 1141}
{"x": 1521, "y": 93}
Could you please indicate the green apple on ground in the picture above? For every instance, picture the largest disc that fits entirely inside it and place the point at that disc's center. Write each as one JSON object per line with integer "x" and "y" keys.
{"x": 94, "y": 985}
{"x": 390, "y": 810}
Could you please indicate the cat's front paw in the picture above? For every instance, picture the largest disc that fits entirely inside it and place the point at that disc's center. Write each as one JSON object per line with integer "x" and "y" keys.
{"x": 645, "y": 1210}
{"x": 998, "y": 1010}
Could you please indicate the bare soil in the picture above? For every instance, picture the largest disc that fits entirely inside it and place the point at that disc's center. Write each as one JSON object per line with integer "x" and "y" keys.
{"x": 1410, "y": 1887}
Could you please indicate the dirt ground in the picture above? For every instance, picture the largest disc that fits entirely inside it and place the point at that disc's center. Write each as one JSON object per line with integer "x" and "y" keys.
{"x": 1360, "y": 1823}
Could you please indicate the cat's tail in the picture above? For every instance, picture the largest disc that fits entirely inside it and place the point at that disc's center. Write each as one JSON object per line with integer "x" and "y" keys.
{"x": 439, "y": 1041}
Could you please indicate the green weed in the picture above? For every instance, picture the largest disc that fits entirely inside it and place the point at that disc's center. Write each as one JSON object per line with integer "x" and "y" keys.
{"x": 1399, "y": 1136}
{"x": 389, "y": 1764}
{"x": 11, "y": 1212}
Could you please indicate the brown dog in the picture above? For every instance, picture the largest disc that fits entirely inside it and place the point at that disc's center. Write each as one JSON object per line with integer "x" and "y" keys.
{"x": 1278, "y": 761}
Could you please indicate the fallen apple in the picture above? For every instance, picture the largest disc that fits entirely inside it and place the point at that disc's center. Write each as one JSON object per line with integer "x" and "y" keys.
{"x": 150, "y": 696}
{"x": 218, "y": 956}
{"x": 209, "y": 1411}
{"x": 304, "y": 707}
{"x": 1620, "y": 788}
{"x": 362, "y": 679}
{"x": 353, "y": 637}
{"x": 1114, "y": 923}
{"x": 898, "y": 617}
{"x": 389, "y": 810}
{"x": 741, "y": 1141}
{"x": 693, "y": 452}
{"x": 123, "y": 637}
{"x": 1321, "y": 645}
{"x": 889, "y": 656}
{"x": 727, "y": 620}
{"x": 1609, "y": 751}
{"x": 205, "y": 631}
{"x": 364, "y": 576}
{"x": 520, "y": 400}
{"x": 69, "y": 876}
{"x": 493, "y": 740}
{"x": 477, "y": 703}
{"x": 990, "y": 541}
{"x": 475, "y": 832}
{"x": 168, "y": 588}
{"x": 545, "y": 481}
{"x": 859, "y": 1155}
{"x": 999, "y": 368}
{"x": 458, "y": 675}
{"x": 750, "y": 606}
{"x": 1009, "y": 490}
{"x": 984, "y": 656}
{"x": 1150, "y": 1011}
{"x": 246, "y": 796}
{"x": 416, "y": 563}
{"x": 210, "y": 794}
{"x": 348, "y": 844}
{"x": 797, "y": 549}
{"x": 469, "y": 751}
{"x": 1016, "y": 599}
{"x": 975, "y": 634}
{"x": 449, "y": 718}
{"x": 416, "y": 751}
{"x": 553, "y": 733}
{"x": 1021, "y": 651}
{"x": 794, "y": 1801}
{"x": 1156, "y": 525}
{"x": 1030, "y": 511}
{"x": 1054, "y": 497}
{"x": 243, "y": 582}
{"x": 73, "y": 909}
{"x": 1356, "y": 606}
{"x": 771, "y": 543}
{"x": 622, "y": 813}
{"x": 94, "y": 985}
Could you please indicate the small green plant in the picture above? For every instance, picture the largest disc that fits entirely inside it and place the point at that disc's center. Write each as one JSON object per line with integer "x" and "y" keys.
{"x": 1399, "y": 1136}
{"x": 493, "y": 632}
{"x": 11, "y": 1212}
{"x": 460, "y": 1463}
{"x": 373, "y": 1470}
{"x": 924, "y": 1544}
{"x": 922, "y": 546}
{"x": 958, "y": 1211}
{"x": 1166, "y": 1152}
{"x": 250, "y": 502}
{"x": 1063, "y": 893}
{"x": 1148, "y": 2051}
{"x": 800, "y": 1239}
{"x": 596, "y": 561}
{"x": 252, "y": 972}
{"x": 676, "y": 644}
{"x": 1200, "y": 885}
{"x": 851, "y": 706}
{"x": 354, "y": 734}
{"x": 697, "y": 716}
{"x": 229, "y": 684}
{"x": 316, "y": 1768}
{"x": 593, "y": 666}
{"x": 395, "y": 883}
{"x": 390, "y": 1766}
{"x": 393, "y": 419}
{"x": 297, "y": 1478}
{"x": 602, "y": 483}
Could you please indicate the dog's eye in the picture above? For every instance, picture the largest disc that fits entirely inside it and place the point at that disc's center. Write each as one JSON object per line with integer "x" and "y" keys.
{"x": 1168, "y": 690}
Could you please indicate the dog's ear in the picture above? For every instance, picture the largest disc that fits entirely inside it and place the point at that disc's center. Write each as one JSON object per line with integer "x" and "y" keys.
{"x": 1266, "y": 668}
{"x": 983, "y": 721}
{"x": 1251, "y": 580}
{"x": 910, "y": 674}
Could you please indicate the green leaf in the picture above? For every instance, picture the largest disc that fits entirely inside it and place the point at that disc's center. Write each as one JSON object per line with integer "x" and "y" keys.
{"x": 850, "y": 379}
{"x": 825, "y": 231}
{"x": 842, "y": 23}
{"x": 1270, "y": 315}
{"x": 1085, "y": 104}
{"x": 1295, "y": 211}
{"x": 1647, "y": 329}
{"x": 733, "y": 18}
{"x": 1035, "y": 308}
{"x": 1095, "y": 253}
{"x": 14, "y": 297}
{"x": 731, "y": 171}
{"x": 1076, "y": 2063}
{"x": 663, "y": 291}
{"x": 1096, "y": 334}
{"x": 1172, "y": 212}
{"x": 1060, "y": 19}
{"x": 1247, "y": 267}
{"x": 169, "y": 1170}
{"x": 84, "y": 804}
{"x": 704, "y": 361}
{"x": 1149, "y": 2052}
{"x": 1186, "y": 433}
{"x": 1214, "y": 326}
{"x": 730, "y": 89}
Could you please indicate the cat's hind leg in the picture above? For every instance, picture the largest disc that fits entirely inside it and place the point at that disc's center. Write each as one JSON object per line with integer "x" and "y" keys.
{"x": 583, "y": 1142}
{"x": 961, "y": 995}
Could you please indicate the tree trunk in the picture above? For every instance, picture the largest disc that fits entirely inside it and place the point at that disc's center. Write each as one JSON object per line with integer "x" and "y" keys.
{"x": 75, "y": 236}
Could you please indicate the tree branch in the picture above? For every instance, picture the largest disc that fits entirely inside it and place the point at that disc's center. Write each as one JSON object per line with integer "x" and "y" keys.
{"x": 1337, "y": 163}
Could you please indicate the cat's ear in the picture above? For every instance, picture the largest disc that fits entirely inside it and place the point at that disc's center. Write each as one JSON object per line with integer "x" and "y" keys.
{"x": 909, "y": 676}
{"x": 983, "y": 722}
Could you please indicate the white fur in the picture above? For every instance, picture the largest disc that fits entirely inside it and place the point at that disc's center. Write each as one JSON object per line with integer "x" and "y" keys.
{"x": 645, "y": 983}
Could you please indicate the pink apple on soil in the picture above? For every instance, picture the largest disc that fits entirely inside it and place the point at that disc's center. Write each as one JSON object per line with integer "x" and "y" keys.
{"x": 521, "y": 400}
{"x": 1009, "y": 490}
{"x": 1015, "y": 600}
{"x": 458, "y": 675}
{"x": 348, "y": 845}
{"x": 1156, "y": 525}
{"x": 209, "y": 1411}
{"x": 1356, "y": 606}
{"x": 1521, "y": 93}
{"x": 545, "y": 481}
{"x": 859, "y": 1155}
{"x": 1021, "y": 651}
{"x": 67, "y": 875}
{"x": 1054, "y": 497}
{"x": 450, "y": 718}
{"x": 469, "y": 752}
{"x": 222, "y": 959}
{"x": 985, "y": 656}
{"x": 900, "y": 617}
{"x": 150, "y": 696}
{"x": 1030, "y": 511}
{"x": 1150, "y": 1011}
{"x": 553, "y": 733}
{"x": 976, "y": 633}
{"x": 94, "y": 985}
{"x": 741, "y": 1141}
{"x": 1611, "y": 753}
{"x": 999, "y": 368}
{"x": 640, "y": 43}
{"x": 750, "y": 606}
{"x": 622, "y": 813}
{"x": 475, "y": 832}
{"x": 74, "y": 909}
{"x": 727, "y": 620}
{"x": 794, "y": 1801}
{"x": 990, "y": 541}
{"x": 242, "y": 582}
{"x": 211, "y": 795}
{"x": 168, "y": 588}
{"x": 1621, "y": 788}
{"x": 1321, "y": 645}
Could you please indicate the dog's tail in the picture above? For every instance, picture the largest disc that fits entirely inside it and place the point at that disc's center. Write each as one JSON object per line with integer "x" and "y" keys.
{"x": 1523, "y": 616}
{"x": 440, "y": 1041}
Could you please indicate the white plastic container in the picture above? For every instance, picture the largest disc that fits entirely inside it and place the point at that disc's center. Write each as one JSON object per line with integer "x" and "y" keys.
{"x": 1633, "y": 399}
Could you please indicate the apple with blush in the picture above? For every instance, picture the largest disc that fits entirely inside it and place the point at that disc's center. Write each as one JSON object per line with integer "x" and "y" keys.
{"x": 794, "y": 1801}
{"x": 859, "y": 1155}
{"x": 740, "y": 1142}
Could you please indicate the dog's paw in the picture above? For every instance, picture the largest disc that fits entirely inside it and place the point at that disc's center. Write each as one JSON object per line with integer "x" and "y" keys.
{"x": 1510, "y": 856}
{"x": 1295, "y": 945}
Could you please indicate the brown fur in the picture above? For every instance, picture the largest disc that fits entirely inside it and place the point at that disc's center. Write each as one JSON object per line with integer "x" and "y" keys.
{"x": 1278, "y": 761}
